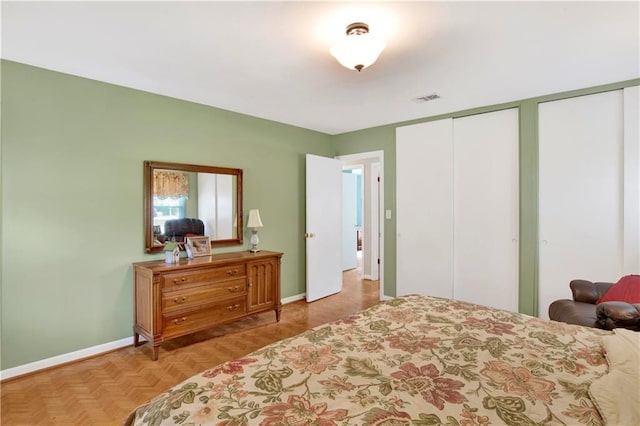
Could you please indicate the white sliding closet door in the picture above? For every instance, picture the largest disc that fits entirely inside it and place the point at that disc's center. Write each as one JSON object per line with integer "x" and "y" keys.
{"x": 485, "y": 225}
{"x": 457, "y": 209}
{"x": 580, "y": 193}
{"x": 424, "y": 209}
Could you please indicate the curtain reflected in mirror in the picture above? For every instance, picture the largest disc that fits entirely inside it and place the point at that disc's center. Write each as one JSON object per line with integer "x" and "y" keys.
{"x": 183, "y": 200}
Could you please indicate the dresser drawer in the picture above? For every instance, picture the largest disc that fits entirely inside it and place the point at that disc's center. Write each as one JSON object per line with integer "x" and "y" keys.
{"x": 177, "y": 325}
{"x": 183, "y": 279}
{"x": 190, "y": 297}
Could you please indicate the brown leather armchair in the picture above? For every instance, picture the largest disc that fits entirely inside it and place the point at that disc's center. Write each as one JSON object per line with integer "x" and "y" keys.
{"x": 178, "y": 228}
{"x": 583, "y": 310}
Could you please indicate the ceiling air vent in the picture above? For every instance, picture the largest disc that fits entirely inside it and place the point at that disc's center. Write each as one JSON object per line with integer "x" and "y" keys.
{"x": 426, "y": 98}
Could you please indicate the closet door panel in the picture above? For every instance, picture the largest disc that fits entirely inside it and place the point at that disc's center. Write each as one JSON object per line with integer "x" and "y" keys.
{"x": 424, "y": 202}
{"x": 580, "y": 193}
{"x": 485, "y": 231}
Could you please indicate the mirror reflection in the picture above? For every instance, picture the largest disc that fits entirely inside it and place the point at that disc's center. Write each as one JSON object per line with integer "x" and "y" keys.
{"x": 187, "y": 200}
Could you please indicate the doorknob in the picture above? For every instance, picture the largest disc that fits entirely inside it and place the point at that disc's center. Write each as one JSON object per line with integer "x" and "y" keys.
{"x": 309, "y": 235}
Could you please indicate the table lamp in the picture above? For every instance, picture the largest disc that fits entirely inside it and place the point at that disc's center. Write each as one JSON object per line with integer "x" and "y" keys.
{"x": 254, "y": 223}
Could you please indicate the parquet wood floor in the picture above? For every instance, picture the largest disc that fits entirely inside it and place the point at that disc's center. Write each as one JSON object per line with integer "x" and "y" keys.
{"x": 104, "y": 389}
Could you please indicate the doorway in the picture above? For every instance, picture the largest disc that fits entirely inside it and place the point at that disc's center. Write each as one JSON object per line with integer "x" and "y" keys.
{"x": 369, "y": 234}
{"x": 352, "y": 218}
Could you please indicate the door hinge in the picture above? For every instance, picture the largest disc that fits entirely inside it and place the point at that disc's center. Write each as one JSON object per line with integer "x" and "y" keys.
{"x": 378, "y": 261}
{"x": 378, "y": 178}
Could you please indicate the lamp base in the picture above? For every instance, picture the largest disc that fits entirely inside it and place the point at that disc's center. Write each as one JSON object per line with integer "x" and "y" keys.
{"x": 254, "y": 241}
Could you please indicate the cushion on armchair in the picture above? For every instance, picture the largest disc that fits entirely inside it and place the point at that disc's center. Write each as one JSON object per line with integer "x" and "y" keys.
{"x": 619, "y": 307}
{"x": 627, "y": 289}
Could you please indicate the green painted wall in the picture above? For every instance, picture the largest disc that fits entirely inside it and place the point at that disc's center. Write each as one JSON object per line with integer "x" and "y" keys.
{"x": 384, "y": 138}
{"x": 72, "y": 222}
{"x": 71, "y": 154}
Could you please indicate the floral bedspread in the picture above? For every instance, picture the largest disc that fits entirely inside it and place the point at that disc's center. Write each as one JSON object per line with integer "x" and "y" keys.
{"x": 413, "y": 360}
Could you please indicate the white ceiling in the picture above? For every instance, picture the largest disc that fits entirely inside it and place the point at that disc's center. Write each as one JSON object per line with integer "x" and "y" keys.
{"x": 271, "y": 59}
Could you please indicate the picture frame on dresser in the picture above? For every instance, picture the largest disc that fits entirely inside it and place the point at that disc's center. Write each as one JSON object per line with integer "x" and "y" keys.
{"x": 198, "y": 246}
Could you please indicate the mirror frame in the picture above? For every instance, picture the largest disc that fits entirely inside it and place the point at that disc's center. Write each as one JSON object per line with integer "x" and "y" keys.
{"x": 150, "y": 166}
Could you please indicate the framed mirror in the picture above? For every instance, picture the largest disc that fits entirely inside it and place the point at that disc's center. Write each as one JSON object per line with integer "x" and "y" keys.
{"x": 183, "y": 200}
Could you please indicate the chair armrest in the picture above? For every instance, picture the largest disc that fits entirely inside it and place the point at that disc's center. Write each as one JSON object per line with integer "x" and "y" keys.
{"x": 618, "y": 315}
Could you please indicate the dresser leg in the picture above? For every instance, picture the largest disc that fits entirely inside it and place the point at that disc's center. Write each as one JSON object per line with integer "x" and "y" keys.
{"x": 136, "y": 339}
{"x": 277, "y": 315}
{"x": 154, "y": 355}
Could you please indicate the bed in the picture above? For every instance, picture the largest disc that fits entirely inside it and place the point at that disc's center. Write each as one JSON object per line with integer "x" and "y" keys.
{"x": 415, "y": 360}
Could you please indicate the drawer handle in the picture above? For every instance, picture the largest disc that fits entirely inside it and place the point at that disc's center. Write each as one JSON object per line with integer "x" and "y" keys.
{"x": 232, "y": 272}
{"x": 233, "y": 307}
{"x": 180, "y": 300}
{"x": 179, "y": 320}
{"x": 233, "y": 289}
{"x": 179, "y": 281}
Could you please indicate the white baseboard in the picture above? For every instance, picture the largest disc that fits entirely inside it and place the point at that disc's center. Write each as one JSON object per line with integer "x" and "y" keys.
{"x": 295, "y": 298}
{"x": 385, "y": 297}
{"x": 88, "y": 352}
{"x": 64, "y": 358}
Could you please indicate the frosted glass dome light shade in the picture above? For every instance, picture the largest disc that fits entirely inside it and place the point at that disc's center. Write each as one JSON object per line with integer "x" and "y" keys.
{"x": 358, "y": 49}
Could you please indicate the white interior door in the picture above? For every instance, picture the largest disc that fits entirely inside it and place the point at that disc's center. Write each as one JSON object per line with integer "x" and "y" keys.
{"x": 372, "y": 229}
{"x": 349, "y": 212}
{"x": 485, "y": 185}
{"x": 424, "y": 206}
{"x": 324, "y": 226}
{"x": 580, "y": 193}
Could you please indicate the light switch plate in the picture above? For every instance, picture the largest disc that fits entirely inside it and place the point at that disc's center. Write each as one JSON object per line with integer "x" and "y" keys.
{"x": 387, "y": 214}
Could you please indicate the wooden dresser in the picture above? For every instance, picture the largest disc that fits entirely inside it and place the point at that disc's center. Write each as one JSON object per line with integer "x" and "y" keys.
{"x": 196, "y": 294}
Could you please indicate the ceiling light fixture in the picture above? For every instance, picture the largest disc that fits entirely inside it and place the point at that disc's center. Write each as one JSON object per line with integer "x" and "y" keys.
{"x": 359, "y": 49}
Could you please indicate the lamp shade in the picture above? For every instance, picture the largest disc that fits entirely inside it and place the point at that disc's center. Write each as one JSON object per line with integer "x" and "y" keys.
{"x": 357, "y": 51}
{"x": 254, "y": 219}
